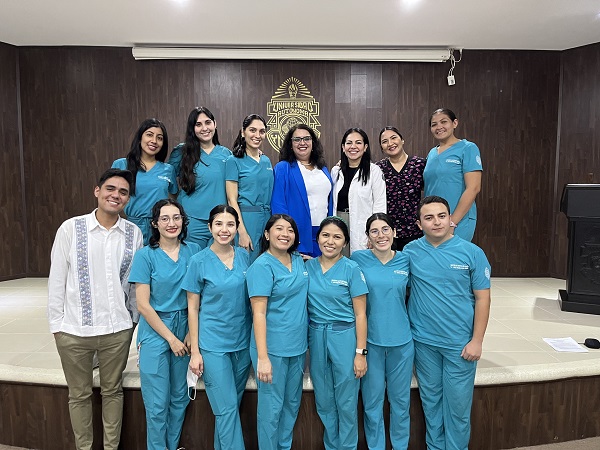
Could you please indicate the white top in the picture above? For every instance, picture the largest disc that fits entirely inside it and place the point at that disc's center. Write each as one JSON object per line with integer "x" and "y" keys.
{"x": 317, "y": 190}
{"x": 88, "y": 291}
{"x": 363, "y": 201}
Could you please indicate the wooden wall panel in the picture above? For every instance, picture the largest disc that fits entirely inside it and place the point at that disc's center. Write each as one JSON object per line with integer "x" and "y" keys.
{"x": 12, "y": 209}
{"x": 579, "y": 150}
{"x": 85, "y": 103}
{"x": 504, "y": 416}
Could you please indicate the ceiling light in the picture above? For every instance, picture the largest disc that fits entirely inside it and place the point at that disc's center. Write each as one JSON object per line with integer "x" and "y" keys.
{"x": 315, "y": 53}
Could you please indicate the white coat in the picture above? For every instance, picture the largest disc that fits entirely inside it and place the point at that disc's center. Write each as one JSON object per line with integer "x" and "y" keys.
{"x": 363, "y": 201}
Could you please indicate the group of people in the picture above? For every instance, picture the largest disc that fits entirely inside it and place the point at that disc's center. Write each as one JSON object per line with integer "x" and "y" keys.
{"x": 251, "y": 265}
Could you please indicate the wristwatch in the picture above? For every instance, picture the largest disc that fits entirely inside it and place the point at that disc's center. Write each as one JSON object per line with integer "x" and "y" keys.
{"x": 362, "y": 351}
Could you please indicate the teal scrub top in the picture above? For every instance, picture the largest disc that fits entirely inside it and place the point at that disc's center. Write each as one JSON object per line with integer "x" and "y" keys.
{"x": 387, "y": 317}
{"x": 441, "y": 307}
{"x": 255, "y": 179}
{"x": 330, "y": 294}
{"x": 150, "y": 187}
{"x": 444, "y": 173}
{"x": 210, "y": 181}
{"x": 287, "y": 320}
{"x": 225, "y": 316}
{"x": 154, "y": 267}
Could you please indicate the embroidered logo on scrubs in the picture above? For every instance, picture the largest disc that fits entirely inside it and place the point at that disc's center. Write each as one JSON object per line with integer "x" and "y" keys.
{"x": 487, "y": 273}
{"x": 453, "y": 161}
{"x": 305, "y": 273}
{"x": 478, "y": 159}
{"x": 401, "y": 272}
{"x": 162, "y": 177}
{"x": 340, "y": 282}
{"x": 459, "y": 266}
{"x": 292, "y": 104}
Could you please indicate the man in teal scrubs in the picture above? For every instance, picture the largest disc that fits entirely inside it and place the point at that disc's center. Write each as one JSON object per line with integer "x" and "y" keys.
{"x": 448, "y": 309}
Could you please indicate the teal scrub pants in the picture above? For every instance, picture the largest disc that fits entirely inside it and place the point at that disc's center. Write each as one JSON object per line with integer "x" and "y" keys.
{"x": 144, "y": 224}
{"x": 389, "y": 368}
{"x": 255, "y": 218}
{"x": 446, "y": 388}
{"x": 332, "y": 352}
{"x": 225, "y": 376}
{"x": 279, "y": 401}
{"x": 163, "y": 381}
{"x": 198, "y": 232}
{"x": 466, "y": 229}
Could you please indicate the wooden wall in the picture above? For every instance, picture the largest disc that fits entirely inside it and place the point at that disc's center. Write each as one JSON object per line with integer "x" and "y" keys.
{"x": 12, "y": 198}
{"x": 80, "y": 107}
{"x": 504, "y": 416}
{"x": 579, "y": 146}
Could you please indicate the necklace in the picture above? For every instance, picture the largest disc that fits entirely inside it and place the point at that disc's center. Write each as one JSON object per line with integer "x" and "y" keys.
{"x": 227, "y": 259}
{"x": 173, "y": 252}
{"x": 399, "y": 165}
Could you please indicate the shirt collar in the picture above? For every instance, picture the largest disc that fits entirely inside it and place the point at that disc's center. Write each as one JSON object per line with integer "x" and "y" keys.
{"x": 93, "y": 223}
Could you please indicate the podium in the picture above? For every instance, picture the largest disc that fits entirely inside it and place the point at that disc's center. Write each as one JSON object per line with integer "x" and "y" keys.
{"x": 581, "y": 205}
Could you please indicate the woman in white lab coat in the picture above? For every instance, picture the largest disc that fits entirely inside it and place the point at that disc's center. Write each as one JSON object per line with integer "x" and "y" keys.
{"x": 359, "y": 187}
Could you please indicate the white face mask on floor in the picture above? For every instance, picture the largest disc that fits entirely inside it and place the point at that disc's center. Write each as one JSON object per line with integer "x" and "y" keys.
{"x": 192, "y": 381}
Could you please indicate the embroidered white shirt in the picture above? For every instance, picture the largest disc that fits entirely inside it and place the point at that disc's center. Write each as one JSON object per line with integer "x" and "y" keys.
{"x": 88, "y": 291}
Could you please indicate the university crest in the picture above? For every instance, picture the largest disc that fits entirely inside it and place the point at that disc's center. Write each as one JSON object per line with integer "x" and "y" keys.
{"x": 292, "y": 104}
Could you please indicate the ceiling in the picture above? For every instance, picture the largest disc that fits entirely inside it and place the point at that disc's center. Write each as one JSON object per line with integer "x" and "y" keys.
{"x": 469, "y": 24}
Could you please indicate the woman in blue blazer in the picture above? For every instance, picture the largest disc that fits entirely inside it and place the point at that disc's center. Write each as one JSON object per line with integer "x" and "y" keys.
{"x": 303, "y": 185}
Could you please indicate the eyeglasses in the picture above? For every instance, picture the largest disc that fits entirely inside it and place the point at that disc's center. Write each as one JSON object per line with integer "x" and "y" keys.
{"x": 386, "y": 231}
{"x": 166, "y": 219}
{"x": 303, "y": 138}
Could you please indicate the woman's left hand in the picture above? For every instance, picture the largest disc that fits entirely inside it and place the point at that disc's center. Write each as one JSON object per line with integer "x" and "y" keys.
{"x": 245, "y": 241}
{"x": 360, "y": 366}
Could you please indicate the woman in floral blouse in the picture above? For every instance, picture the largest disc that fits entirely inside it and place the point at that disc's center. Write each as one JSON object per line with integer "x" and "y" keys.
{"x": 404, "y": 182}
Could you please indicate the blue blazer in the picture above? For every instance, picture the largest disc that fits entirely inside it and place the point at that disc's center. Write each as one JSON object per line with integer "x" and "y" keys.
{"x": 290, "y": 197}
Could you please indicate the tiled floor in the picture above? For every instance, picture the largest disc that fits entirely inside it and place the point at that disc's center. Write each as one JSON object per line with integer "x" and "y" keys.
{"x": 523, "y": 312}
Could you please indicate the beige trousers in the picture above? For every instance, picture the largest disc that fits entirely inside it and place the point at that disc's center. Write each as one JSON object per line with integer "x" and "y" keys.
{"x": 76, "y": 354}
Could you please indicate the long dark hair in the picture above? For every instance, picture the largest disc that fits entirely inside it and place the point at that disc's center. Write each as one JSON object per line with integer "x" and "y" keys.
{"x": 286, "y": 152}
{"x": 239, "y": 146}
{"x": 134, "y": 157}
{"x": 190, "y": 153}
{"x": 264, "y": 243}
{"x": 364, "y": 167}
{"x": 155, "y": 237}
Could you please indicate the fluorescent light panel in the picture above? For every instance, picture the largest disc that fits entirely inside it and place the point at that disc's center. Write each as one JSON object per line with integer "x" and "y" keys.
{"x": 296, "y": 53}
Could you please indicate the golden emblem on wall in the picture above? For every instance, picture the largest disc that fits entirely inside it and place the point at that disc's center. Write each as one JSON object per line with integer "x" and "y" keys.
{"x": 292, "y": 104}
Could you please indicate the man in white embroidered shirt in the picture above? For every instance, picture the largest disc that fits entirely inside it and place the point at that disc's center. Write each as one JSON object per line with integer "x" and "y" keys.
{"x": 91, "y": 306}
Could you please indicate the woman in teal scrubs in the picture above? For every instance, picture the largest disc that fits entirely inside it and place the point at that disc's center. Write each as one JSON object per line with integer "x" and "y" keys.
{"x": 337, "y": 334}
{"x": 199, "y": 163}
{"x": 153, "y": 179}
{"x": 158, "y": 271}
{"x": 249, "y": 184}
{"x": 453, "y": 171}
{"x": 219, "y": 320}
{"x": 277, "y": 285}
{"x": 389, "y": 341}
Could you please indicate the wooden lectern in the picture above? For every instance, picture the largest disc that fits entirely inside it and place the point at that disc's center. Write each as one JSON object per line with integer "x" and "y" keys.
{"x": 581, "y": 204}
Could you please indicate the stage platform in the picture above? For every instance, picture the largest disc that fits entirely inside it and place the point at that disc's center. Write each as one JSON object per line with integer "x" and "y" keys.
{"x": 526, "y": 393}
